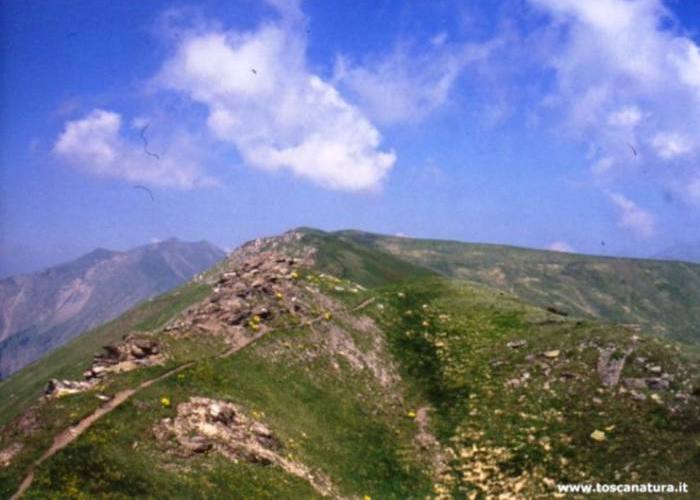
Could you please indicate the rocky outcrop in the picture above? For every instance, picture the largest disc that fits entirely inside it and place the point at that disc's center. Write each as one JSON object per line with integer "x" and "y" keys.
{"x": 252, "y": 292}
{"x": 57, "y": 388}
{"x": 204, "y": 425}
{"x": 131, "y": 353}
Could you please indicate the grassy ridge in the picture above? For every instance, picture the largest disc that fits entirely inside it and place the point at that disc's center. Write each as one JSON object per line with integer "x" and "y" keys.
{"x": 333, "y": 419}
{"x": 367, "y": 266}
{"x": 662, "y": 297}
{"x": 525, "y": 416}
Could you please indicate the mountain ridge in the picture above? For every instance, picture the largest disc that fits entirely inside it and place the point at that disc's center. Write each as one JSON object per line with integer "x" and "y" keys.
{"x": 662, "y": 296}
{"x": 309, "y": 365}
{"x": 39, "y": 311}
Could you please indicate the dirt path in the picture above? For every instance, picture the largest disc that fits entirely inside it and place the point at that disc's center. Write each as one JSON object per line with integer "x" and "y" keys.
{"x": 429, "y": 442}
{"x": 72, "y": 433}
{"x": 363, "y": 304}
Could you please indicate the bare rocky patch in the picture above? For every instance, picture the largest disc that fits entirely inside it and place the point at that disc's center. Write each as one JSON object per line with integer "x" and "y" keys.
{"x": 250, "y": 294}
{"x": 204, "y": 425}
{"x": 8, "y": 453}
{"x": 610, "y": 364}
{"x": 131, "y": 353}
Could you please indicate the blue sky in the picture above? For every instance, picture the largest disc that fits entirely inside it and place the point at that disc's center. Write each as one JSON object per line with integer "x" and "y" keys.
{"x": 543, "y": 123}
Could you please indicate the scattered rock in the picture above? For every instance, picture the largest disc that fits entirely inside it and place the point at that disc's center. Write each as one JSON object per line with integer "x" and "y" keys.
{"x": 598, "y": 436}
{"x": 57, "y": 388}
{"x": 518, "y": 382}
{"x": 132, "y": 352}
{"x": 516, "y": 344}
{"x": 638, "y": 396}
{"x": 657, "y": 383}
{"x": 610, "y": 365}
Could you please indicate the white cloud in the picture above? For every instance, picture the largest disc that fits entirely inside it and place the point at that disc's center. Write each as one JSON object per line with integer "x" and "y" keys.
{"x": 603, "y": 165}
{"x": 407, "y": 85}
{"x": 95, "y": 145}
{"x": 261, "y": 98}
{"x": 671, "y": 145}
{"x": 626, "y": 76}
{"x": 92, "y": 140}
{"x": 560, "y": 246}
{"x": 626, "y": 116}
{"x": 632, "y": 217}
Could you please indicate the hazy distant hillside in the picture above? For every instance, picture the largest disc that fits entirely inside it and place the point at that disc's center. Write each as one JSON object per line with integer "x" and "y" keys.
{"x": 41, "y": 311}
{"x": 689, "y": 252}
{"x": 661, "y": 297}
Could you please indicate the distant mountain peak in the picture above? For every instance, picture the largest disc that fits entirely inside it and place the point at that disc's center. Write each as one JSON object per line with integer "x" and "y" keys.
{"x": 43, "y": 310}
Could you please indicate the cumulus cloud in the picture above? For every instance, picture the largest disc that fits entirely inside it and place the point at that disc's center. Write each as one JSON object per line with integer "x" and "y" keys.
{"x": 560, "y": 246}
{"x": 407, "y": 85}
{"x": 95, "y": 144}
{"x": 261, "y": 98}
{"x": 625, "y": 76}
{"x": 632, "y": 217}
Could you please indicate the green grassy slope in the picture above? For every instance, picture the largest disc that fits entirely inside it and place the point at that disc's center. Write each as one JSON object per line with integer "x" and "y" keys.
{"x": 347, "y": 395}
{"x": 662, "y": 297}
{"x": 452, "y": 340}
{"x": 345, "y": 259}
{"x": 69, "y": 361}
